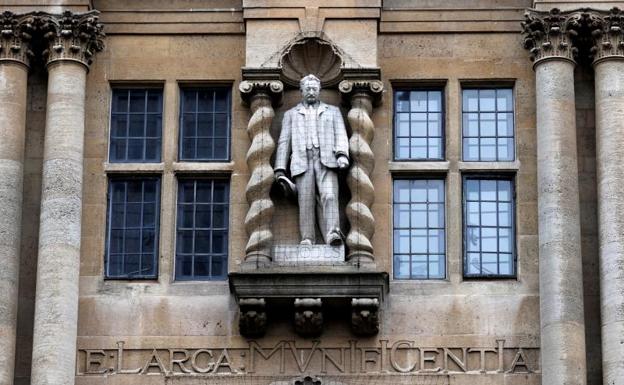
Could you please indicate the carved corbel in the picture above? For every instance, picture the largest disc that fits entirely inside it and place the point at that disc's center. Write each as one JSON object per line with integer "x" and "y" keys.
{"x": 15, "y": 36}
{"x": 551, "y": 34}
{"x": 365, "y": 316}
{"x": 72, "y": 36}
{"x": 260, "y": 96}
{"x": 252, "y": 321}
{"x": 361, "y": 95}
{"x": 308, "y": 316}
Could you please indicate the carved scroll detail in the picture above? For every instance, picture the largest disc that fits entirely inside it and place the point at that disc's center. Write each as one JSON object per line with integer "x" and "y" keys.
{"x": 15, "y": 36}
{"x": 258, "y": 218}
{"x": 358, "y": 209}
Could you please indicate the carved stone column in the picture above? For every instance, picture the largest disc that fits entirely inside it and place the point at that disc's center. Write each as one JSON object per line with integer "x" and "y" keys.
{"x": 260, "y": 95}
{"x": 15, "y": 34}
{"x": 548, "y": 38}
{"x": 608, "y": 63}
{"x": 73, "y": 40}
{"x": 361, "y": 95}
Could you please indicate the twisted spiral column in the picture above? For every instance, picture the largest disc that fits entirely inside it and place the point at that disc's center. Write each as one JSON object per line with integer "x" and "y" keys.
{"x": 259, "y": 96}
{"x": 362, "y": 95}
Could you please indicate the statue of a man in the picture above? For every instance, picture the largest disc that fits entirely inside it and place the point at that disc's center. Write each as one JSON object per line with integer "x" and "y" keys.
{"x": 314, "y": 138}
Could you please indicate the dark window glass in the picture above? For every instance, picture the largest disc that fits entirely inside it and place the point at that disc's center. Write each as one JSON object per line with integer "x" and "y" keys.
{"x": 132, "y": 237}
{"x": 419, "y": 229}
{"x": 205, "y": 124}
{"x": 488, "y": 124}
{"x": 136, "y": 125}
{"x": 488, "y": 227}
{"x": 418, "y": 125}
{"x": 202, "y": 229}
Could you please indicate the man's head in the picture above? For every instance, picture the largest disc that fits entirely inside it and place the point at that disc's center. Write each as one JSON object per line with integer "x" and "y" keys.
{"x": 310, "y": 87}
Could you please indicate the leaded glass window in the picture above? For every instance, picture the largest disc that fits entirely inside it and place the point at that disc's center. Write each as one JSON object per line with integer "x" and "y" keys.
{"x": 418, "y": 125}
{"x": 136, "y": 126}
{"x": 419, "y": 229}
{"x": 132, "y": 236}
{"x": 488, "y": 227}
{"x": 202, "y": 229}
{"x": 205, "y": 124}
{"x": 488, "y": 125}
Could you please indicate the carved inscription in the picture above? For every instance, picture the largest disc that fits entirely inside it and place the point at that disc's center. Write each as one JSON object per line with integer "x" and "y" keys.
{"x": 290, "y": 357}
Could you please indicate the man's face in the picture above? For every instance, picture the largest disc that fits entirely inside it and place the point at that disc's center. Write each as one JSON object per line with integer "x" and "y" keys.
{"x": 310, "y": 92}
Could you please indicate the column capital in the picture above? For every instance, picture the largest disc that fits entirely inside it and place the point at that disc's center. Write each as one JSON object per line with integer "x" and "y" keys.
{"x": 272, "y": 88}
{"x": 550, "y": 34}
{"x": 15, "y": 35}
{"x": 72, "y": 36}
{"x": 607, "y": 34}
{"x": 372, "y": 87}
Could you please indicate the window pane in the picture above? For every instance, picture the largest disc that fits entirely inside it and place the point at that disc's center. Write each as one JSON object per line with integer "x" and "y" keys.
{"x": 488, "y": 125}
{"x": 131, "y": 126}
{"x": 418, "y": 125}
{"x": 488, "y": 230}
{"x": 202, "y": 224}
{"x": 132, "y": 239}
{"x": 419, "y": 236}
{"x": 205, "y": 130}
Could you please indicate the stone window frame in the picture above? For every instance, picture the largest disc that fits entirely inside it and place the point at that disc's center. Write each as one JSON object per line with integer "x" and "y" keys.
{"x": 226, "y": 229}
{"x": 481, "y": 86}
{"x": 214, "y": 87}
{"x": 505, "y": 176}
{"x": 161, "y": 111}
{"x": 444, "y": 254}
{"x": 418, "y": 87}
{"x": 125, "y": 178}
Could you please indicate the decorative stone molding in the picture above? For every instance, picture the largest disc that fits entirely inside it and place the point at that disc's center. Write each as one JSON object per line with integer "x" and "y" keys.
{"x": 361, "y": 95}
{"x": 550, "y": 34}
{"x": 607, "y": 32}
{"x": 364, "y": 316}
{"x": 15, "y": 36}
{"x": 260, "y": 95}
{"x": 72, "y": 36}
{"x": 308, "y": 316}
{"x": 252, "y": 321}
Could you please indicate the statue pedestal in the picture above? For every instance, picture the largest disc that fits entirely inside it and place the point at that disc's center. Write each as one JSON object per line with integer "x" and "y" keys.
{"x": 308, "y": 255}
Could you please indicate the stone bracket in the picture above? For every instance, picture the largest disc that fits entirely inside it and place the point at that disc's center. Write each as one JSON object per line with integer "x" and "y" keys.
{"x": 263, "y": 289}
{"x": 364, "y": 316}
{"x": 253, "y": 318}
{"x": 308, "y": 316}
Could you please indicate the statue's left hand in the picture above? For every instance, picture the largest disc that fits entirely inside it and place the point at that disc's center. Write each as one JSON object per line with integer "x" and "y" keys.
{"x": 342, "y": 161}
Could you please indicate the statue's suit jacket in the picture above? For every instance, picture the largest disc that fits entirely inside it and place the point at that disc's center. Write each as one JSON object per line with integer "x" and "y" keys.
{"x": 332, "y": 135}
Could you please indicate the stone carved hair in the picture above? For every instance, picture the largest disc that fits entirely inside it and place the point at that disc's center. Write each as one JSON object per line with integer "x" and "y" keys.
{"x": 308, "y": 78}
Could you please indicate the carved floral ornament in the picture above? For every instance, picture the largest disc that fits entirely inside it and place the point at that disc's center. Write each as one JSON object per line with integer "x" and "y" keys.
{"x": 67, "y": 36}
{"x": 572, "y": 35}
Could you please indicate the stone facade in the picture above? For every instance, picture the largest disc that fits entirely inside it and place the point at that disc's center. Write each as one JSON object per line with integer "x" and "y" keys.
{"x": 347, "y": 318}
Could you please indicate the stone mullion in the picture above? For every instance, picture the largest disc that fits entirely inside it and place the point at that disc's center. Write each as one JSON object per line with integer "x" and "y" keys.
{"x": 549, "y": 38}
{"x": 608, "y": 53}
{"x": 361, "y": 96}
{"x": 260, "y": 97}
{"x": 74, "y": 38}
{"x": 14, "y": 61}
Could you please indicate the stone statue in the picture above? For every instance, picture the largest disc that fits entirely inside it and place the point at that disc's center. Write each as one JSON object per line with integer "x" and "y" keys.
{"x": 315, "y": 140}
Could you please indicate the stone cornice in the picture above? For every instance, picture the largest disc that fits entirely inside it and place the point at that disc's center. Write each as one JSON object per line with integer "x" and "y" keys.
{"x": 72, "y": 36}
{"x": 607, "y": 33}
{"x": 15, "y": 36}
{"x": 550, "y": 35}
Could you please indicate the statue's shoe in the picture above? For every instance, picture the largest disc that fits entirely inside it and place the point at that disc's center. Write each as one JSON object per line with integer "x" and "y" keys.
{"x": 334, "y": 239}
